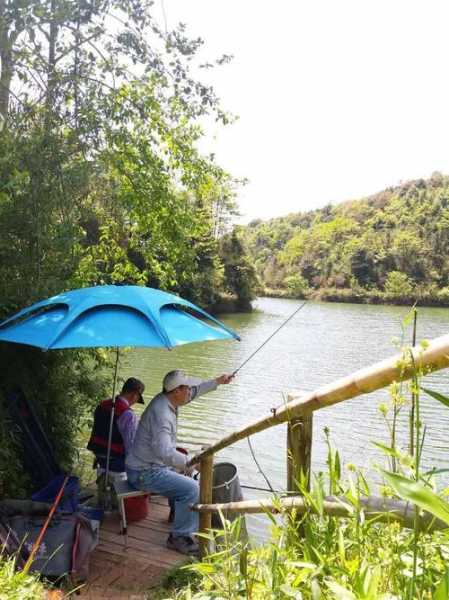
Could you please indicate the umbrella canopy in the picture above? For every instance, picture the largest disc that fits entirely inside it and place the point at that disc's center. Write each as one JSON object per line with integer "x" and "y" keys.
{"x": 113, "y": 316}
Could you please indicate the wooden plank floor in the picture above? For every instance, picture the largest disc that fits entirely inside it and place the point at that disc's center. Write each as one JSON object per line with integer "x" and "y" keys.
{"x": 117, "y": 573}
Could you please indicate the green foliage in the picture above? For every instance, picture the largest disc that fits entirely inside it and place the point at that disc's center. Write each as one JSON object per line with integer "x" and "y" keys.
{"x": 296, "y": 285}
{"x": 315, "y": 556}
{"x": 350, "y": 251}
{"x": 101, "y": 182}
{"x": 17, "y": 585}
{"x": 398, "y": 284}
{"x": 240, "y": 275}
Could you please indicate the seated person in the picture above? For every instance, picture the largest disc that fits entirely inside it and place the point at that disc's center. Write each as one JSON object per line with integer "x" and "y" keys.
{"x": 124, "y": 427}
{"x": 155, "y": 464}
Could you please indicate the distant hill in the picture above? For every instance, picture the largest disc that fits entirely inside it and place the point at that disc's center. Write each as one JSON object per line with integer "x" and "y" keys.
{"x": 389, "y": 247}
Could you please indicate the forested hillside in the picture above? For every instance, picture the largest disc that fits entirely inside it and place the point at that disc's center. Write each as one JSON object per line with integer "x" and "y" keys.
{"x": 390, "y": 247}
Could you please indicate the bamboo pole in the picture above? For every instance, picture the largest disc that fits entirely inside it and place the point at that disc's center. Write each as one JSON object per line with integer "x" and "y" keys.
{"x": 206, "y": 469}
{"x": 382, "y": 509}
{"x": 432, "y": 358}
{"x": 299, "y": 451}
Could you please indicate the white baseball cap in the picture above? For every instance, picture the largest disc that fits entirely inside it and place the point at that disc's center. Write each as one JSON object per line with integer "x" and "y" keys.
{"x": 176, "y": 378}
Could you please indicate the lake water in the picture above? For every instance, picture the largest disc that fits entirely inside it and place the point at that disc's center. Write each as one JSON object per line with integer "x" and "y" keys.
{"x": 323, "y": 342}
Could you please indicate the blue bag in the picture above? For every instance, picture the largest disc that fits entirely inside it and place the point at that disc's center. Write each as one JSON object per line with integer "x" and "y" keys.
{"x": 70, "y": 498}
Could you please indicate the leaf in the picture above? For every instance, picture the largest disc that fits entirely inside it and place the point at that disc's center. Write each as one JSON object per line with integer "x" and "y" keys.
{"x": 337, "y": 467}
{"x": 437, "y": 396}
{"x": 316, "y": 590}
{"x": 420, "y": 495}
{"x": 373, "y": 578}
{"x": 387, "y": 450}
{"x": 341, "y": 547}
{"x": 340, "y": 592}
{"x": 290, "y": 592}
{"x": 442, "y": 591}
{"x": 409, "y": 317}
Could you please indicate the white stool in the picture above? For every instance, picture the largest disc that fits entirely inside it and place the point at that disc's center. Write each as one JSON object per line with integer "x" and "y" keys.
{"x": 124, "y": 490}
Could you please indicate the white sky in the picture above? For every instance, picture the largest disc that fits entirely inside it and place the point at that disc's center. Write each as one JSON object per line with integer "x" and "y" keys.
{"x": 337, "y": 99}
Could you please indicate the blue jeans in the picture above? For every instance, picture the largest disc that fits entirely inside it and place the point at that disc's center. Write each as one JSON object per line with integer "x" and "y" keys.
{"x": 183, "y": 490}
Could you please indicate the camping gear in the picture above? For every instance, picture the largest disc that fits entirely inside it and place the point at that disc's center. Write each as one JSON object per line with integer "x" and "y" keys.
{"x": 113, "y": 316}
{"x": 225, "y": 488}
{"x": 38, "y": 456}
{"x": 10, "y": 507}
{"x": 54, "y": 545}
{"x": 10, "y": 544}
{"x": 95, "y": 516}
{"x": 38, "y": 541}
{"x": 70, "y": 498}
{"x": 65, "y": 547}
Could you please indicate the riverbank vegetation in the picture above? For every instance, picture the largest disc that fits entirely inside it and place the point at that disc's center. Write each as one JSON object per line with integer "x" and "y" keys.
{"x": 387, "y": 248}
{"x": 102, "y": 182}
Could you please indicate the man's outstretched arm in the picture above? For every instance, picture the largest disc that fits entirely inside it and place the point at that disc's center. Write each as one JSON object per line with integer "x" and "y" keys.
{"x": 209, "y": 386}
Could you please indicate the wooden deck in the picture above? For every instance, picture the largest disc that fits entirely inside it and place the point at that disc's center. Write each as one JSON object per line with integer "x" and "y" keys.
{"x": 117, "y": 573}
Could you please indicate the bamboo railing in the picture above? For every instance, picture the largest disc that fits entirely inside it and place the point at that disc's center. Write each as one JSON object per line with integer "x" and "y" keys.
{"x": 381, "y": 509}
{"x": 298, "y": 410}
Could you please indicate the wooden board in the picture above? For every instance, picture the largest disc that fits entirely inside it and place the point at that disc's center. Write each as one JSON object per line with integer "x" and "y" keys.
{"x": 120, "y": 573}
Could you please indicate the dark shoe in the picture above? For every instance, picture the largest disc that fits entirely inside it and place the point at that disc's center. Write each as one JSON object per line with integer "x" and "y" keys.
{"x": 182, "y": 543}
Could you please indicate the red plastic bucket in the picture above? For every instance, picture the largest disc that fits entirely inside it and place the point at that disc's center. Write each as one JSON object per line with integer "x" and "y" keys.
{"x": 136, "y": 508}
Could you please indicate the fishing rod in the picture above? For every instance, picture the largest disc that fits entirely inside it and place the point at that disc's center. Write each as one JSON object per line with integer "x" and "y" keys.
{"x": 246, "y": 362}
{"x": 269, "y": 338}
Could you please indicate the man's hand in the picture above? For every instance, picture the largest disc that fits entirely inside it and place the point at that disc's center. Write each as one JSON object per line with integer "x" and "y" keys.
{"x": 189, "y": 471}
{"x": 224, "y": 379}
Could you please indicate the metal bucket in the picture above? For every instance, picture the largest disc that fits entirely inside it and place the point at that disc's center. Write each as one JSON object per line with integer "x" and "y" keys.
{"x": 225, "y": 488}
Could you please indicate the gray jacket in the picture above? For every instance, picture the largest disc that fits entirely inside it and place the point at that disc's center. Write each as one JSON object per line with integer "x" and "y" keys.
{"x": 155, "y": 440}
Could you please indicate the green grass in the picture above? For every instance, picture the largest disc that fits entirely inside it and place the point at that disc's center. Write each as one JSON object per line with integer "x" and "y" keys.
{"x": 16, "y": 585}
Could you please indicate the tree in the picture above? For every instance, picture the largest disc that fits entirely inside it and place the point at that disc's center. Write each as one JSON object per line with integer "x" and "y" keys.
{"x": 240, "y": 275}
{"x": 296, "y": 285}
{"x": 398, "y": 285}
{"x": 101, "y": 180}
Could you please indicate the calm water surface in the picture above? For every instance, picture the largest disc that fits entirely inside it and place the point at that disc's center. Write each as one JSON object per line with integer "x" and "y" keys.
{"x": 323, "y": 342}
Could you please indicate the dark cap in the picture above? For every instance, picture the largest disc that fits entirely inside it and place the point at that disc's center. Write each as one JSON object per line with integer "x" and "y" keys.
{"x": 134, "y": 385}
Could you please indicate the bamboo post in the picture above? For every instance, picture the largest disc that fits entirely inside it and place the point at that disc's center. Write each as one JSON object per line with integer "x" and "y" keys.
{"x": 299, "y": 452}
{"x": 205, "y": 498}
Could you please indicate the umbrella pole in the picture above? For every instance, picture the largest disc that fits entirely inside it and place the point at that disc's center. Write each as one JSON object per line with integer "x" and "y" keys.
{"x": 108, "y": 500}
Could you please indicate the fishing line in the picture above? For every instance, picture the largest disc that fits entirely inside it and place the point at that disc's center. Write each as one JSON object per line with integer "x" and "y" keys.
{"x": 246, "y": 362}
{"x": 259, "y": 467}
{"x": 269, "y": 338}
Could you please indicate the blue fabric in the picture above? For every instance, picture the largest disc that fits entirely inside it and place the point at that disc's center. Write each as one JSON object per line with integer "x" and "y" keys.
{"x": 113, "y": 316}
{"x": 183, "y": 490}
{"x": 70, "y": 498}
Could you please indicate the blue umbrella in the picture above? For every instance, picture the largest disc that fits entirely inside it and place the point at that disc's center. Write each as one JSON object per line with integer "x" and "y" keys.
{"x": 113, "y": 316}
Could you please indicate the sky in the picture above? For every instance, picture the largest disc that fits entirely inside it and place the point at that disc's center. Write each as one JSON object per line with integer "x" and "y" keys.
{"x": 337, "y": 99}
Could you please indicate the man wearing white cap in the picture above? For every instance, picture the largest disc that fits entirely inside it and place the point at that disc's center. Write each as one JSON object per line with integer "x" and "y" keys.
{"x": 153, "y": 457}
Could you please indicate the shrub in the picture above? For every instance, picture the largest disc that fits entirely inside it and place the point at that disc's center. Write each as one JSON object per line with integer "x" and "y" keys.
{"x": 443, "y": 295}
{"x": 296, "y": 285}
{"x": 398, "y": 285}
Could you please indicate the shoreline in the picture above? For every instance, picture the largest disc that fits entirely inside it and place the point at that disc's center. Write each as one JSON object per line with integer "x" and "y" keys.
{"x": 348, "y": 296}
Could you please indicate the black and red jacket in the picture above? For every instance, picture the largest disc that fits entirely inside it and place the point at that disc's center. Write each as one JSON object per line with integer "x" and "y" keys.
{"x": 98, "y": 443}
